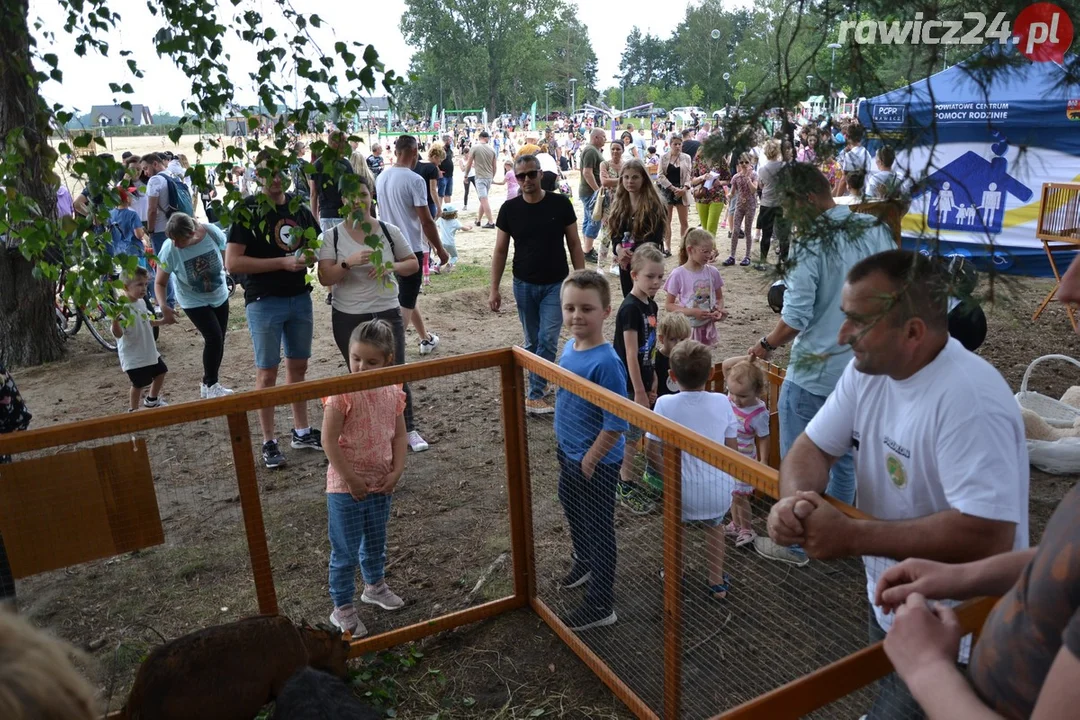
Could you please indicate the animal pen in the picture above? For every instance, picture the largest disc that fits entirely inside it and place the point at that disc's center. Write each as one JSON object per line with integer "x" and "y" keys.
{"x": 788, "y": 642}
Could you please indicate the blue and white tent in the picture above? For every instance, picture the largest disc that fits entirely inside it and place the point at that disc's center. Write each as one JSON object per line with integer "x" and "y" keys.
{"x": 980, "y": 144}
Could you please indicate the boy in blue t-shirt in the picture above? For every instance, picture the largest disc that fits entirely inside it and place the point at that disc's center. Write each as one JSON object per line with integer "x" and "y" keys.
{"x": 590, "y": 448}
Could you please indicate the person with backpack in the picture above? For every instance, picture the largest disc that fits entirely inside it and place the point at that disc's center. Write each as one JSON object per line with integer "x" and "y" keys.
{"x": 165, "y": 195}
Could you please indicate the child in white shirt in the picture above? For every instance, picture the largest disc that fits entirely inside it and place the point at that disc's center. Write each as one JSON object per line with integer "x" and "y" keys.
{"x": 448, "y": 225}
{"x": 706, "y": 491}
{"x": 135, "y": 345}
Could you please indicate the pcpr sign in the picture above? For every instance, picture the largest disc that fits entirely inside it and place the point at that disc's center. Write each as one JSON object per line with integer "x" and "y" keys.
{"x": 890, "y": 114}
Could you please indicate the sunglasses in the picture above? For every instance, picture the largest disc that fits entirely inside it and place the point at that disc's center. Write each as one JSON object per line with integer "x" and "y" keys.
{"x": 527, "y": 175}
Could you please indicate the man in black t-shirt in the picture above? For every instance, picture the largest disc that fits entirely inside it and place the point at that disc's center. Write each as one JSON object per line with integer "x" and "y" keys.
{"x": 325, "y": 185}
{"x": 690, "y": 146}
{"x": 269, "y": 246}
{"x": 446, "y": 182}
{"x": 540, "y": 224}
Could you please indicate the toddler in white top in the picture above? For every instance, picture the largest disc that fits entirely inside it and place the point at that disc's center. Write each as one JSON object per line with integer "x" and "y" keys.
{"x": 746, "y": 384}
{"x": 706, "y": 491}
{"x": 136, "y": 347}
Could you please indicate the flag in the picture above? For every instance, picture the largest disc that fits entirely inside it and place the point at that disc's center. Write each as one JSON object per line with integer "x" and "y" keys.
{"x": 484, "y": 118}
{"x": 434, "y": 115}
{"x": 532, "y": 116}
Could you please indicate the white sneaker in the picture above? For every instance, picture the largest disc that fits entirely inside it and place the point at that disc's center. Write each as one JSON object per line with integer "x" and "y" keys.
{"x": 417, "y": 443}
{"x": 613, "y": 270}
{"x": 428, "y": 346}
{"x": 156, "y": 404}
{"x": 202, "y": 391}
{"x": 217, "y": 390}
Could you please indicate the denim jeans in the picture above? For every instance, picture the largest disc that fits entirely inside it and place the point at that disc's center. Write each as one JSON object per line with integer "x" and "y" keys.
{"x": 589, "y": 505}
{"x": 797, "y": 408}
{"x": 357, "y": 530}
{"x": 276, "y": 321}
{"x": 540, "y": 313}
{"x": 158, "y": 240}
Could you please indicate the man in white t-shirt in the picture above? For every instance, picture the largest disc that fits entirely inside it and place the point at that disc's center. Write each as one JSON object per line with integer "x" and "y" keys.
{"x": 940, "y": 455}
{"x": 403, "y": 201}
{"x": 157, "y": 194}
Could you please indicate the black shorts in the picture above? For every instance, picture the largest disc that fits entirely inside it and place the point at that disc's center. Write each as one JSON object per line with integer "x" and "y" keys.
{"x": 409, "y": 286}
{"x": 144, "y": 376}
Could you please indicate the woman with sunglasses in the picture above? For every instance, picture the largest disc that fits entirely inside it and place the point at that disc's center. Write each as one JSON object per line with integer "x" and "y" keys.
{"x": 674, "y": 182}
{"x": 638, "y": 210}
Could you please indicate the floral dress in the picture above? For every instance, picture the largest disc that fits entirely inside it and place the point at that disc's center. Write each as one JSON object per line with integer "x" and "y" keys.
{"x": 716, "y": 193}
{"x": 13, "y": 413}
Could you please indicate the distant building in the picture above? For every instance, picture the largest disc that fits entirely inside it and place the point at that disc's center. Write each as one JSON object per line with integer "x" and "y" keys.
{"x": 373, "y": 108}
{"x": 113, "y": 115}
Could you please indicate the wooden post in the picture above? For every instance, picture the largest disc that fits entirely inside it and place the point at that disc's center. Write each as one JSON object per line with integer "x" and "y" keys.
{"x": 244, "y": 461}
{"x": 673, "y": 587}
{"x": 518, "y": 491}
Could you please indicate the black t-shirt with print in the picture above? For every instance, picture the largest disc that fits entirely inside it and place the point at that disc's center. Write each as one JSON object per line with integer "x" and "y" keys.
{"x": 375, "y": 164}
{"x": 329, "y": 193}
{"x": 538, "y": 231}
{"x": 272, "y": 235}
{"x": 640, "y": 316}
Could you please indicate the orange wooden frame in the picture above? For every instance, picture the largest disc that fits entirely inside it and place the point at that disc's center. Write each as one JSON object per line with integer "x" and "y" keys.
{"x": 801, "y": 696}
{"x": 1058, "y": 196}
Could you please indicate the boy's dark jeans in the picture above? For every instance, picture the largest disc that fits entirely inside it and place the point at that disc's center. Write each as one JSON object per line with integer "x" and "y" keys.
{"x": 589, "y": 505}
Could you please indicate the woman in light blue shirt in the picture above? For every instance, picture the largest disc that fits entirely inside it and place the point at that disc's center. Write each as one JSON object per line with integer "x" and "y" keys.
{"x": 192, "y": 254}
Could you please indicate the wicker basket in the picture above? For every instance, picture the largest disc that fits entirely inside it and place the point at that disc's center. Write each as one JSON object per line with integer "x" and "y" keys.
{"x": 1054, "y": 412}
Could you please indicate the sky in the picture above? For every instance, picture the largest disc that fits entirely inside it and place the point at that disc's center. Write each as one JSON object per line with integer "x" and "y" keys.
{"x": 86, "y": 80}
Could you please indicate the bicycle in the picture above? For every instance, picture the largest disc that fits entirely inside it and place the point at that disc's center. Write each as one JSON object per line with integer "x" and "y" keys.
{"x": 70, "y": 317}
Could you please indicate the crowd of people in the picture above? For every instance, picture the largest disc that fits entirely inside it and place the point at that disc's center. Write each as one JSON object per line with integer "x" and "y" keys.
{"x": 879, "y": 406}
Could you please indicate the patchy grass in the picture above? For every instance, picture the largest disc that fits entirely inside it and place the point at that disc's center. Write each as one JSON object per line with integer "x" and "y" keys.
{"x": 463, "y": 277}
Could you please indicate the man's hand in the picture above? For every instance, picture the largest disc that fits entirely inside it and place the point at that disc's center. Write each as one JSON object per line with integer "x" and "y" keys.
{"x": 444, "y": 257}
{"x": 930, "y": 579}
{"x": 168, "y": 315}
{"x": 827, "y": 531}
{"x": 495, "y": 300}
{"x": 785, "y": 528}
{"x": 641, "y": 398}
{"x": 758, "y": 352}
{"x": 923, "y": 639}
{"x": 291, "y": 263}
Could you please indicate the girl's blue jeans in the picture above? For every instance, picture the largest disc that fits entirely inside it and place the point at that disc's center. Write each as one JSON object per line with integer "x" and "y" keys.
{"x": 357, "y": 530}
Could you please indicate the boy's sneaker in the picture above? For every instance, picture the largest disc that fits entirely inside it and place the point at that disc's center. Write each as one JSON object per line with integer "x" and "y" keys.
{"x": 587, "y": 617}
{"x": 417, "y": 443}
{"x": 591, "y": 256}
{"x": 272, "y": 457}
{"x": 745, "y": 536}
{"x": 217, "y": 390}
{"x": 578, "y": 576}
{"x": 310, "y": 441}
{"x": 613, "y": 270}
{"x": 633, "y": 499}
{"x": 345, "y": 619}
{"x": 654, "y": 484}
{"x": 382, "y": 596}
{"x": 428, "y": 346}
{"x": 539, "y": 406}
{"x": 147, "y": 402}
{"x": 768, "y": 549}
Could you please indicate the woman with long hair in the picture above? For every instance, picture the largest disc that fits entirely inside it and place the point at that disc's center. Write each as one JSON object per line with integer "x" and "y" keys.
{"x": 674, "y": 182}
{"x": 639, "y": 211}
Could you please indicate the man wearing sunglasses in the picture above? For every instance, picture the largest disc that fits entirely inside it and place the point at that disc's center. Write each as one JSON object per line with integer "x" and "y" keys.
{"x": 540, "y": 224}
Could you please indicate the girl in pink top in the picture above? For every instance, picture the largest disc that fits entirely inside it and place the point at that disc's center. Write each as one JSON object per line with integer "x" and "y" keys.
{"x": 365, "y": 440}
{"x": 513, "y": 189}
{"x": 746, "y": 385}
{"x": 695, "y": 288}
{"x": 744, "y": 186}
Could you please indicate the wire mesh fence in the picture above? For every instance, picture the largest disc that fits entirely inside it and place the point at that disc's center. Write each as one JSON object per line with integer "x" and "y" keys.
{"x": 747, "y": 617}
{"x": 124, "y": 540}
{"x": 435, "y": 542}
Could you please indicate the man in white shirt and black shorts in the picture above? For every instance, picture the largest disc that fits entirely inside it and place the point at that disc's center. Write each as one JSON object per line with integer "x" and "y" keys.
{"x": 940, "y": 455}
